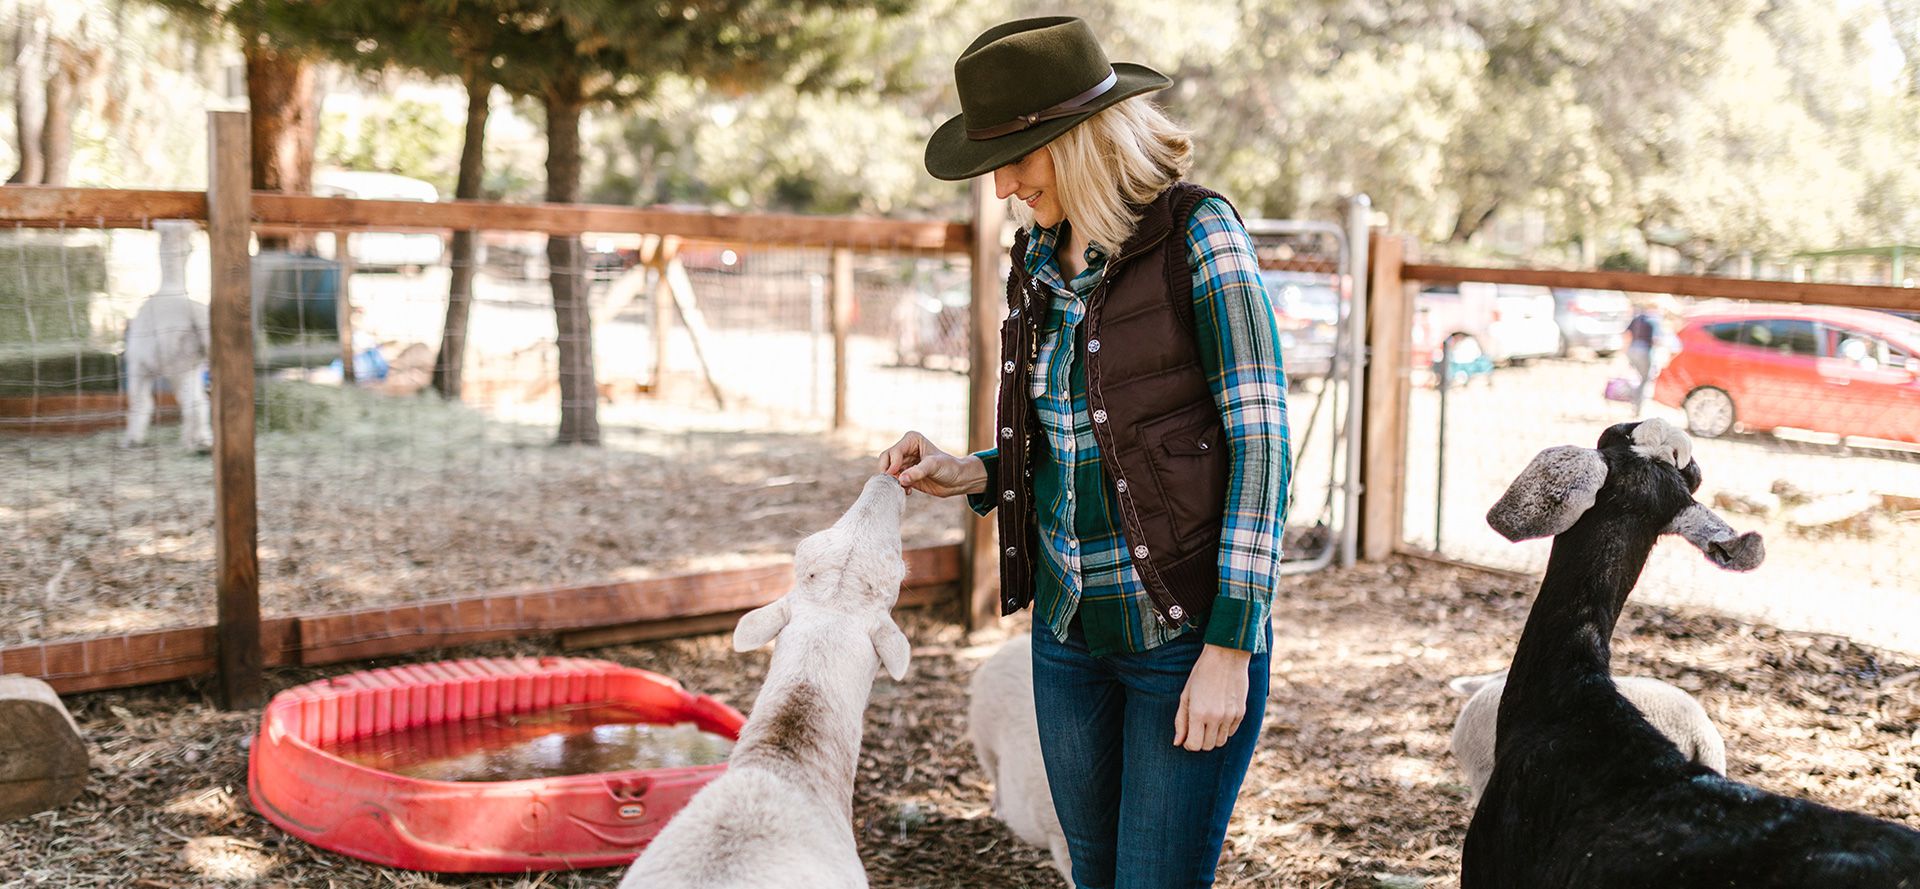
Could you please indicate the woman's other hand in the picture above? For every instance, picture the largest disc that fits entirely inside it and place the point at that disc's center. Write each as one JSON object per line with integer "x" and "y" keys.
{"x": 922, "y": 467}
{"x": 1214, "y": 701}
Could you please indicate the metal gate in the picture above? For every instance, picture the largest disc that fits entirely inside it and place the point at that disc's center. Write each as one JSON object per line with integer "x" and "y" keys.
{"x": 1315, "y": 274}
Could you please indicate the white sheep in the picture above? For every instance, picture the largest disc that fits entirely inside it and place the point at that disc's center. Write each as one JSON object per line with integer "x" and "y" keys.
{"x": 169, "y": 339}
{"x": 1006, "y": 736}
{"x": 782, "y": 814}
{"x": 1674, "y": 712}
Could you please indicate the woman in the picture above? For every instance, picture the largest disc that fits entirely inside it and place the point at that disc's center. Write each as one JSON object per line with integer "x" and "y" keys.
{"x": 1142, "y": 463}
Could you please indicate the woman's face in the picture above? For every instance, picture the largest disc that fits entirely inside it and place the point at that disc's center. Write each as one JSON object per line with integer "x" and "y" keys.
{"x": 1030, "y": 181}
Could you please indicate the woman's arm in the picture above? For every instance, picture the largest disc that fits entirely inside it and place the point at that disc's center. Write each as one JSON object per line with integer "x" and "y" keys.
{"x": 1240, "y": 352}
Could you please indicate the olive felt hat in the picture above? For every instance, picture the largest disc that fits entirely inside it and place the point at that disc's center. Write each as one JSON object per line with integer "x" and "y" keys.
{"x": 1021, "y": 85}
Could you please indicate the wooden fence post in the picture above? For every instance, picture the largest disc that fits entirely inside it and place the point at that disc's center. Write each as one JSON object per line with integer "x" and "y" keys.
{"x": 343, "y": 306}
{"x": 840, "y": 320}
{"x": 980, "y": 563}
{"x": 236, "y": 524}
{"x": 1384, "y": 432}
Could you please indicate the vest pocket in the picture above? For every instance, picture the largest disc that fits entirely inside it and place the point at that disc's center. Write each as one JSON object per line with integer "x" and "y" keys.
{"x": 1189, "y": 456}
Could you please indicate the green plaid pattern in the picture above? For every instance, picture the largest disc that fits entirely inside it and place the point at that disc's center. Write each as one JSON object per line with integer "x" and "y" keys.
{"x": 1085, "y": 568}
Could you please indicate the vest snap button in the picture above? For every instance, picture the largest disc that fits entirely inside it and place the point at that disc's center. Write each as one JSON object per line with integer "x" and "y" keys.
{"x": 1120, "y": 485}
{"x": 1093, "y": 345}
{"x": 1176, "y": 612}
{"x": 1006, "y": 432}
{"x": 1140, "y": 552}
{"x": 1011, "y": 552}
{"x": 1014, "y": 314}
{"x": 1099, "y": 416}
{"x": 1008, "y": 367}
{"x": 1007, "y": 495}
{"x": 1203, "y": 446}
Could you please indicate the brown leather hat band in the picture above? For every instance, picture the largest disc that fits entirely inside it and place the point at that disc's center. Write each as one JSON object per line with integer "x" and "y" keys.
{"x": 1065, "y": 109}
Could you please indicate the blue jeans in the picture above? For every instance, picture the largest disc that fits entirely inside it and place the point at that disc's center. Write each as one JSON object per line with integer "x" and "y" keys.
{"x": 1138, "y": 812}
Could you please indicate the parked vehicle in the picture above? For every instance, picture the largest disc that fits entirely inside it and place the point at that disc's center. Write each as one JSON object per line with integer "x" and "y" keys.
{"x": 1505, "y": 323}
{"x": 1849, "y": 372}
{"x": 1306, "y": 308}
{"x": 406, "y": 252}
{"x": 1591, "y": 319}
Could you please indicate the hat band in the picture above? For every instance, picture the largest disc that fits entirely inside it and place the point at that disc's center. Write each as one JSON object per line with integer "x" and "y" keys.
{"x": 1065, "y": 109}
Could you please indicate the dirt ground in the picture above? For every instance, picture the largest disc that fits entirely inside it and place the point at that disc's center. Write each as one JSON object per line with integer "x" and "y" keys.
{"x": 1352, "y": 784}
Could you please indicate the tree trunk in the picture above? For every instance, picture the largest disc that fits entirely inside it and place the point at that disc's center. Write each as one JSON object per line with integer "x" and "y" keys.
{"x": 280, "y": 94}
{"x": 1471, "y": 220}
{"x": 56, "y": 132}
{"x": 453, "y": 334}
{"x": 579, "y": 397}
{"x": 30, "y": 94}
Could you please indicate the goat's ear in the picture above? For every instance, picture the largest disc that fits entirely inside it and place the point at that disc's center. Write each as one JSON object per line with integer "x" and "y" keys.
{"x": 891, "y": 645}
{"x": 759, "y": 626}
{"x": 1550, "y": 494}
{"x": 1718, "y": 541}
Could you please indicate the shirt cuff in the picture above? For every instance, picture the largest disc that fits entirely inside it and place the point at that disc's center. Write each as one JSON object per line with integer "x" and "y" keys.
{"x": 1237, "y": 623}
{"x": 984, "y": 502}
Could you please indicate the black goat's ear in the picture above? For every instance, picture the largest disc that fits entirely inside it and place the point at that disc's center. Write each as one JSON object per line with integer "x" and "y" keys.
{"x": 1717, "y": 540}
{"x": 1550, "y": 494}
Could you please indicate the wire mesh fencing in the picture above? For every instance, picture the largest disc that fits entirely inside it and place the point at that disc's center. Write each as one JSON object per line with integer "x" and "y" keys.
{"x": 1805, "y": 422}
{"x": 100, "y": 535}
{"x": 714, "y": 372}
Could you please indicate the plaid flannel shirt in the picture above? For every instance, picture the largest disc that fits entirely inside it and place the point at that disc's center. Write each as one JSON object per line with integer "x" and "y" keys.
{"x": 1084, "y": 568}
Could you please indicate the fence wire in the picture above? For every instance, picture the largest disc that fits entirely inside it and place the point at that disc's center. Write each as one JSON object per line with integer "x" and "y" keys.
{"x": 1805, "y": 422}
{"x": 718, "y": 452}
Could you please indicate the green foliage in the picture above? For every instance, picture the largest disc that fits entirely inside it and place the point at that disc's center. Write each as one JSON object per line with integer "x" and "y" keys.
{"x": 408, "y": 137}
{"x": 47, "y": 288}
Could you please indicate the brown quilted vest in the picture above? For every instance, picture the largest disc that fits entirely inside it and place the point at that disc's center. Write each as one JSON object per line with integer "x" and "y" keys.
{"x": 1161, "y": 440}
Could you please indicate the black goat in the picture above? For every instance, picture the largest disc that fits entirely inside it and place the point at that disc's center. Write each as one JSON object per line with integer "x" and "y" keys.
{"x": 1584, "y": 792}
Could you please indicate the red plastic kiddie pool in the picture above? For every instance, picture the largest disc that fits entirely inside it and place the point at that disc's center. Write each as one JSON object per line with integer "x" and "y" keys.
{"x": 594, "y": 820}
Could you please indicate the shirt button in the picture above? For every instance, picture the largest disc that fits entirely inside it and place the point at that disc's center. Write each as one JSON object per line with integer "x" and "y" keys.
{"x": 1069, "y": 495}
{"x": 1007, "y": 495}
{"x": 1008, "y": 367}
{"x": 1073, "y": 544}
{"x": 1093, "y": 345}
{"x": 1176, "y": 612}
{"x": 1140, "y": 552}
{"x": 1120, "y": 485}
{"x": 1006, "y": 432}
{"x": 1100, "y": 416}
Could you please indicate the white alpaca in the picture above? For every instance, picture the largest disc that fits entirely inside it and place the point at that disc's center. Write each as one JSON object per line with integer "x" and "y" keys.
{"x": 1006, "y": 736}
{"x": 782, "y": 815}
{"x": 168, "y": 339}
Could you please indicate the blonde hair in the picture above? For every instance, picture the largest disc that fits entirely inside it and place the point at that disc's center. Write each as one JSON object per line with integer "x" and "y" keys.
{"x": 1112, "y": 162}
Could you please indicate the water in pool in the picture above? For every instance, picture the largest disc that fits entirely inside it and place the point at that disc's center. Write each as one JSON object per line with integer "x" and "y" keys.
{"x": 544, "y": 744}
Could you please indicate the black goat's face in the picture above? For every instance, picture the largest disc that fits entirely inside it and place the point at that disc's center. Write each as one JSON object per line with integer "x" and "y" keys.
{"x": 1644, "y": 470}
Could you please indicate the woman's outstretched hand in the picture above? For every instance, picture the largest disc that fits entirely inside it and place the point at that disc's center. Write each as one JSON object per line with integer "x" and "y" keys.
{"x": 922, "y": 467}
{"x": 1214, "y": 701}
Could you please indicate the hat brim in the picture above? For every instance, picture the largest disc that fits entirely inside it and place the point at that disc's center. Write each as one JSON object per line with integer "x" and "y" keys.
{"x": 952, "y": 156}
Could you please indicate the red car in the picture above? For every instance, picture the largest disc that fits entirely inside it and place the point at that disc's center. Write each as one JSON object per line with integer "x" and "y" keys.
{"x": 1850, "y": 372}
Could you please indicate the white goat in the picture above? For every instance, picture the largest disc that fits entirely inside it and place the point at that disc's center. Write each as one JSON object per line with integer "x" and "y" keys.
{"x": 169, "y": 339}
{"x": 782, "y": 815}
{"x": 1671, "y": 710}
{"x": 1006, "y": 736}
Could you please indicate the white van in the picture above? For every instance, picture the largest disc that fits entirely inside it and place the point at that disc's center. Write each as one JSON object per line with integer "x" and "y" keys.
{"x": 405, "y": 252}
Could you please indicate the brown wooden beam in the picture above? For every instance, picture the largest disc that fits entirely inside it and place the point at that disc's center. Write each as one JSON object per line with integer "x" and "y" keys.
{"x": 120, "y": 208}
{"x": 37, "y": 206}
{"x": 1860, "y": 295}
{"x": 980, "y": 582}
{"x": 674, "y": 605}
{"x": 236, "y": 521}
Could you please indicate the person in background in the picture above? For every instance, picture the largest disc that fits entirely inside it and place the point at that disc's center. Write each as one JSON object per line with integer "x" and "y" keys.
{"x": 1643, "y": 334}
